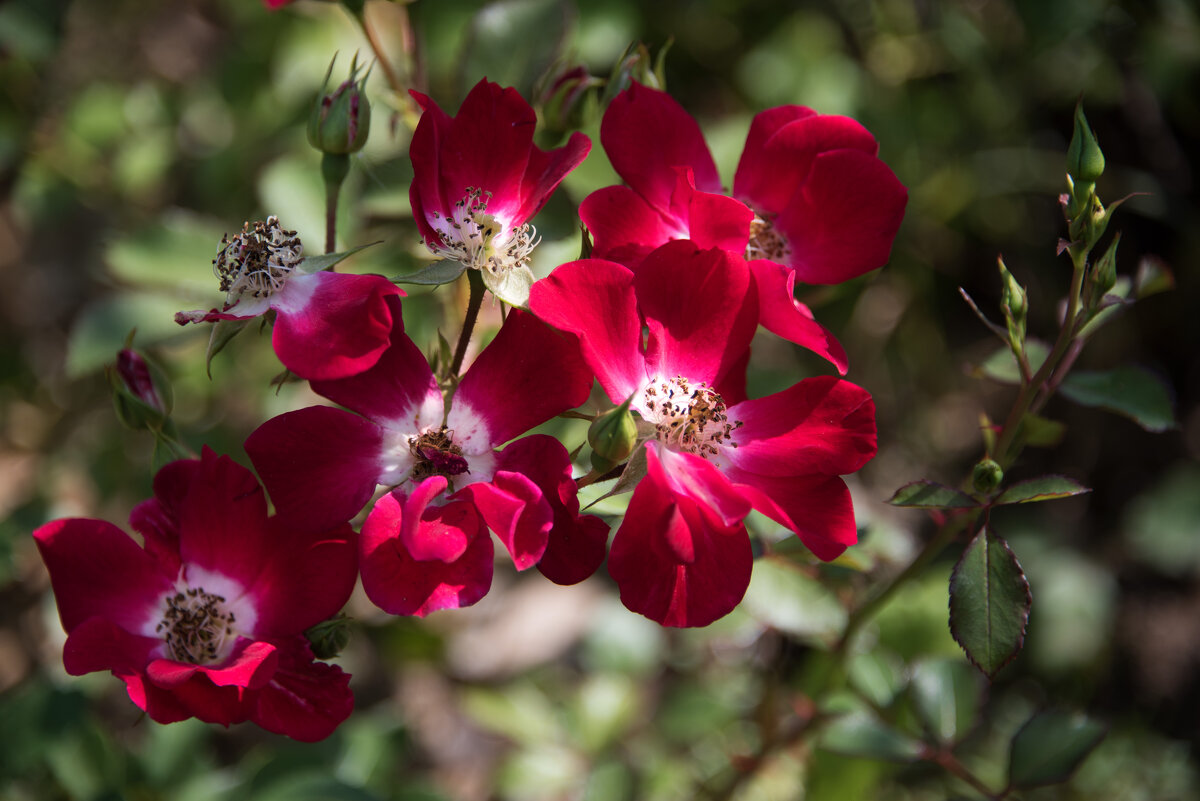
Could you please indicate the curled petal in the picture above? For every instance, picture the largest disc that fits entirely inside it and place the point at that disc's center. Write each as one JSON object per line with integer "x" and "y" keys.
{"x": 304, "y": 699}
{"x": 513, "y": 507}
{"x": 817, "y": 508}
{"x": 781, "y": 314}
{"x": 400, "y": 584}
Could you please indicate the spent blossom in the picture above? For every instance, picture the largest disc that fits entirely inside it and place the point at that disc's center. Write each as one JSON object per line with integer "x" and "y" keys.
{"x": 327, "y": 325}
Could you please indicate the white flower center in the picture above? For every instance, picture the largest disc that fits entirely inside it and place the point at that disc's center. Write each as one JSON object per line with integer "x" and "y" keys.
{"x": 198, "y": 626}
{"x": 480, "y": 240}
{"x": 258, "y": 261}
{"x": 688, "y": 417}
{"x": 765, "y": 242}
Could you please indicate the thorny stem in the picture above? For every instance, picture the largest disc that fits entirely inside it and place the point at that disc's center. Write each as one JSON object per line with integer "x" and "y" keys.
{"x": 475, "y": 281}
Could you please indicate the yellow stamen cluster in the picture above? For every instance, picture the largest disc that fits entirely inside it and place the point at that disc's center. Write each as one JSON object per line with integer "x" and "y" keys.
{"x": 765, "y": 242}
{"x": 689, "y": 417}
{"x": 479, "y": 240}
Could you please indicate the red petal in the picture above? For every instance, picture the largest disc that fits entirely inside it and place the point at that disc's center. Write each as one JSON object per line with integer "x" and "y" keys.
{"x": 817, "y": 508}
{"x": 319, "y": 464}
{"x": 528, "y": 374}
{"x": 333, "y": 325}
{"x": 594, "y": 300}
{"x": 308, "y": 580}
{"x": 843, "y": 219}
{"x": 99, "y": 644}
{"x": 821, "y": 425}
{"x": 223, "y": 519}
{"x": 394, "y": 390}
{"x": 545, "y": 172}
{"x": 674, "y": 561}
{"x": 700, "y": 310}
{"x": 513, "y": 507}
{"x": 623, "y": 227}
{"x": 577, "y": 543}
{"x": 401, "y": 585}
{"x": 305, "y": 700}
{"x": 775, "y": 162}
{"x": 781, "y": 314}
{"x": 96, "y": 570}
{"x": 645, "y": 133}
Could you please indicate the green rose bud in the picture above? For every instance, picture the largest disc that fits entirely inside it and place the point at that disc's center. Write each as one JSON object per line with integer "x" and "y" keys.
{"x": 1015, "y": 305}
{"x": 986, "y": 476}
{"x": 613, "y": 436}
{"x": 1085, "y": 161}
{"x": 341, "y": 120}
{"x": 141, "y": 391}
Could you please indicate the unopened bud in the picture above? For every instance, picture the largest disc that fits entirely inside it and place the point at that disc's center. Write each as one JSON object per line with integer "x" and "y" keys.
{"x": 329, "y": 637}
{"x": 340, "y": 121}
{"x": 613, "y": 436}
{"x": 1085, "y": 161}
{"x": 569, "y": 100}
{"x": 636, "y": 64}
{"x": 986, "y": 476}
{"x": 141, "y": 391}
{"x": 1014, "y": 304}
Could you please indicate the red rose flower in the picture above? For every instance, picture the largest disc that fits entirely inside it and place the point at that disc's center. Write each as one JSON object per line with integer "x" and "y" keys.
{"x": 206, "y": 619}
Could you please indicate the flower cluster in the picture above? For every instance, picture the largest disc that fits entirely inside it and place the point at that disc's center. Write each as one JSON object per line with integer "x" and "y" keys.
{"x": 207, "y": 618}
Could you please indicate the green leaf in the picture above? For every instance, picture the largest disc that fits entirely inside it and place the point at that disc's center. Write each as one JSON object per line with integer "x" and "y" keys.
{"x": 926, "y": 494}
{"x": 862, "y": 734}
{"x": 1040, "y": 432}
{"x": 1132, "y": 391}
{"x": 315, "y": 264}
{"x": 223, "y": 332}
{"x": 440, "y": 272}
{"x": 878, "y": 675}
{"x": 1002, "y": 365}
{"x": 1046, "y": 488}
{"x": 1048, "y": 748}
{"x": 989, "y": 603}
{"x": 947, "y": 696}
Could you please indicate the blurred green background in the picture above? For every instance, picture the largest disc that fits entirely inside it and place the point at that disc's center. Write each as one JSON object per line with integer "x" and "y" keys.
{"x": 133, "y": 133}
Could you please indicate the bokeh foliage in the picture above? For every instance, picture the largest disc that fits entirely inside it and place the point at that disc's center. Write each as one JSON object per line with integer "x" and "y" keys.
{"x": 133, "y": 133}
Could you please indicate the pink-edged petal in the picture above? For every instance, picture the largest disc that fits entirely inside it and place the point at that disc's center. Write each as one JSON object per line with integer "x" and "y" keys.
{"x": 526, "y": 375}
{"x": 401, "y": 585}
{"x": 817, "y": 508}
{"x": 333, "y": 325}
{"x": 697, "y": 478}
{"x": 305, "y": 699}
{"x": 594, "y": 299}
{"x": 309, "y": 578}
{"x": 545, "y": 171}
{"x": 97, "y": 570}
{"x": 675, "y": 562}
{"x": 700, "y": 309}
{"x": 842, "y": 220}
{"x": 249, "y": 667}
{"x": 645, "y": 133}
{"x": 395, "y": 389}
{"x": 577, "y": 543}
{"x": 513, "y": 507}
{"x": 624, "y": 228}
{"x": 770, "y": 170}
{"x": 434, "y": 541}
{"x": 821, "y": 425}
{"x": 783, "y": 315}
{"x": 319, "y": 464}
{"x": 222, "y": 520}
{"x": 99, "y": 644}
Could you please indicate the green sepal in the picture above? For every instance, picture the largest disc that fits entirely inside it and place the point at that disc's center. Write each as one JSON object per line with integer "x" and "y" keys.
{"x": 436, "y": 274}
